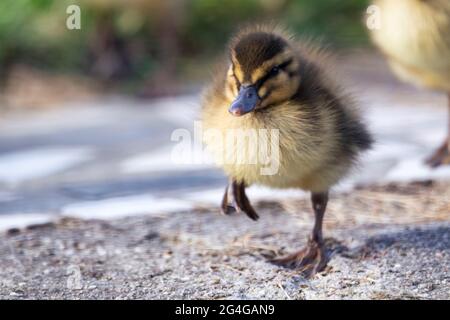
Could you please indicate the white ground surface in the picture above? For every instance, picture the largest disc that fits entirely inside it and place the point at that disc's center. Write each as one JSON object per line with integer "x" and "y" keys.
{"x": 22, "y": 166}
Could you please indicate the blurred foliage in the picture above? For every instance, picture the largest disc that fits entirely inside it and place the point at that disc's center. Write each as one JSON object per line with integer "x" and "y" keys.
{"x": 143, "y": 39}
{"x": 337, "y": 21}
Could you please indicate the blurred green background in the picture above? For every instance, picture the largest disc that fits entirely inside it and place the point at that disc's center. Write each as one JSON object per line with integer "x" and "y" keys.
{"x": 152, "y": 47}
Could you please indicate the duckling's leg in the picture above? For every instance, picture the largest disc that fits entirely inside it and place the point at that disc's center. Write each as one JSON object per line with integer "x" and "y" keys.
{"x": 239, "y": 201}
{"x": 442, "y": 155}
{"x": 313, "y": 257}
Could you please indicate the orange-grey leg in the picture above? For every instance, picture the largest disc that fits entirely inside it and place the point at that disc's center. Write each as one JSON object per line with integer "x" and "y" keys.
{"x": 312, "y": 258}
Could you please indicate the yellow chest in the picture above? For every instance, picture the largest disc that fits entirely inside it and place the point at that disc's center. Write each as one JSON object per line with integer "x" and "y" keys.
{"x": 275, "y": 149}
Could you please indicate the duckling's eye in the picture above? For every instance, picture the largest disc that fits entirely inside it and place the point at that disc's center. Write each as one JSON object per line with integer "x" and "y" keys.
{"x": 275, "y": 70}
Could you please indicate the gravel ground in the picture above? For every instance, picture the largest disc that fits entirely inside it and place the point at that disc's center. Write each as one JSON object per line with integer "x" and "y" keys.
{"x": 387, "y": 242}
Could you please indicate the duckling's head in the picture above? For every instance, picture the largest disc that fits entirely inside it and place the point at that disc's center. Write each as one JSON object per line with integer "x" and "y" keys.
{"x": 263, "y": 72}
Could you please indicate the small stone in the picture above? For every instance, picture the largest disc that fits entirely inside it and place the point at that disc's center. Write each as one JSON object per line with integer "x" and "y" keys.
{"x": 101, "y": 251}
{"x": 13, "y": 231}
{"x": 138, "y": 250}
{"x": 15, "y": 294}
{"x": 151, "y": 235}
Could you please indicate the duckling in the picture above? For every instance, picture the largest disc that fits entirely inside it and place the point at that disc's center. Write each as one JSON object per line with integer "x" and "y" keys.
{"x": 273, "y": 82}
{"x": 414, "y": 35}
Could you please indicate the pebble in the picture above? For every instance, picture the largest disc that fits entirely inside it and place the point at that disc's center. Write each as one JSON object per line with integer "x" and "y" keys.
{"x": 15, "y": 294}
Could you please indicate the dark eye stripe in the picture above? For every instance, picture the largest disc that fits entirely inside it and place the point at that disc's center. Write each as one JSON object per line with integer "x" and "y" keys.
{"x": 270, "y": 74}
{"x": 285, "y": 64}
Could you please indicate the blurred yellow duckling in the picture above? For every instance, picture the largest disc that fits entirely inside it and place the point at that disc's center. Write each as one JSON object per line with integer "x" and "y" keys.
{"x": 414, "y": 35}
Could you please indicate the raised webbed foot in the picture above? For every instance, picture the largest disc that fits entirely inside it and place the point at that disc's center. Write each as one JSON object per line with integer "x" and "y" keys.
{"x": 235, "y": 192}
{"x": 440, "y": 157}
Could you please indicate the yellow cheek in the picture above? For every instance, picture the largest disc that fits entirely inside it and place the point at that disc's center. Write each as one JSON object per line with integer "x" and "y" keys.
{"x": 281, "y": 88}
{"x": 230, "y": 72}
{"x": 231, "y": 90}
{"x": 262, "y": 91}
{"x": 229, "y": 93}
{"x": 238, "y": 73}
{"x": 272, "y": 85}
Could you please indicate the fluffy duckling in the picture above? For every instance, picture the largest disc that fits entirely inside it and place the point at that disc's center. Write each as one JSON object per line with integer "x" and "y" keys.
{"x": 272, "y": 82}
{"x": 414, "y": 35}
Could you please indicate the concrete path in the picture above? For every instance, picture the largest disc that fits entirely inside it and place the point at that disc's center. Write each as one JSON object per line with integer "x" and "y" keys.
{"x": 112, "y": 157}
